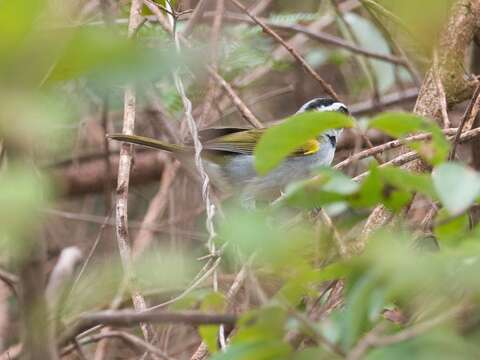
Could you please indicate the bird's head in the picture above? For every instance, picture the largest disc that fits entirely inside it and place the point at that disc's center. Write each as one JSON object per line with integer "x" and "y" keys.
{"x": 326, "y": 104}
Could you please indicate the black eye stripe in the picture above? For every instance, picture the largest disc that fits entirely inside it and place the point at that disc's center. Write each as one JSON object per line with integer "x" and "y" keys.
{"x": 332, "y": 139}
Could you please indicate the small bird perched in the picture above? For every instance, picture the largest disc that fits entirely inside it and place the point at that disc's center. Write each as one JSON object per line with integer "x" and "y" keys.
{"x": 229, "y": 160}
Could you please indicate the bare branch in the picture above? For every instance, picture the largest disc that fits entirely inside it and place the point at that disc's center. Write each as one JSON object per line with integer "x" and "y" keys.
{"x": 126, "y": 318}
{"x": 325, "y": 86}
{"x": 470, "y": 114}
{"x": 124, "y": 167}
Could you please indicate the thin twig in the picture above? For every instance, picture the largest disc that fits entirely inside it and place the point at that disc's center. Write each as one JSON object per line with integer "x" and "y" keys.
{"x": 342, "y": 248}
{"x": 215, "y": 38}
{"x": 127, "y": 318}
{"x": 392, "y": 99}
{"x": 413, "y": 155}
{"x": 124, "y": 168}
{"x": 10, "y": 279}
{"x": 244, "y": 110}
{"x": 319, "y": 36}
{"x": 195, "y": 18}
{"x": 326, "y": 87}
{"x": 469, "y": 113}
{"x": 441, "y": 91}
{"x": 155, "y": 210}
{"x": 124, "y": 336}
{"x": 237, "y": 284}
{"x": 246, "y": 113}
{"x": 391, "y": 145}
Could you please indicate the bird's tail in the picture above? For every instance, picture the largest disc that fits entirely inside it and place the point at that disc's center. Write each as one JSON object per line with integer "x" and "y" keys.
{"x": 148, "y": 142}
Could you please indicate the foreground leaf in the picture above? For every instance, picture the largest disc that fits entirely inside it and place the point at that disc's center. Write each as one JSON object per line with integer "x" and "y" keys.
{"x": 281, "y": 140}
{"x": 457, "y": 186}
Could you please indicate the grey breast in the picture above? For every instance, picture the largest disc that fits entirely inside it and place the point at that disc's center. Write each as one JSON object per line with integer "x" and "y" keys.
{"x": 241, "y": 172}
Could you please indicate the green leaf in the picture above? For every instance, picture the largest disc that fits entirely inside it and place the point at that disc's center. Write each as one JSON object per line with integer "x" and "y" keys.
{"x": 356, "y": 316}
{"x": 329, "y": 186}
{"x": 22, "y": 195}
{"x": 398, "y": 124}
{"x": 256, "y": 350}
{"x": 408, "y": 181}
{"x": 265, "y": 324}
{"x": 281, "y": 140}
{"x": 17, "y": 19}
{"x": 318, "y": 353}
{"x": 457, "y": 186}
{"x": 450, "y": 230}
{"x": 214, "y": 302}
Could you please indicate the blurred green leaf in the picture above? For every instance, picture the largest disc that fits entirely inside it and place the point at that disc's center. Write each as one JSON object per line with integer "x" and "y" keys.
{"x": 105, "y": 56}
{"x": 356, "y": 316}
{"x": 315, "y": 354}
{"x": 328, "y": 186}
{"x": 439, "y": 344}
{"x": 256, "y": 350}
{"x": 265, "y": 324}
{"x": 23, "y": 192}
{"x": 213, "y": 302}
{"x": 398, "y": 124}
{"x": 252, "y": 232}
{"x": 17, "y": 19}
{"x": 457, "y": 186}
{"x": 281, "y": 140}
{"x": 450, "y": 230}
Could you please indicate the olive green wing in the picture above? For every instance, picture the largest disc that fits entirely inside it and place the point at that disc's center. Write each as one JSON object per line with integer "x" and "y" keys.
{"x": 244, "y": 142}
{"x": 241, "y": 142}
{"x": 217, "y": 132}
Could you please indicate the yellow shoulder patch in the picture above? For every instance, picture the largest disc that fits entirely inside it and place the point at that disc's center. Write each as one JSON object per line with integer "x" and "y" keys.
{"x": 310, "y": 147}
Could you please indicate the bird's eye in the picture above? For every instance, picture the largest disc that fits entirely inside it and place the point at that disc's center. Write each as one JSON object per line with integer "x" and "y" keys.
{"x": 344, "y": 110}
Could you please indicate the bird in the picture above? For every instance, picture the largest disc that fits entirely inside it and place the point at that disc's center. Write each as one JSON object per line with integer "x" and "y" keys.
{"x": 229, "y": 159}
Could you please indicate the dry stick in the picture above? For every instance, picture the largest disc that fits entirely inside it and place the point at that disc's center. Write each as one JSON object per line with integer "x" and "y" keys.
{"x": 392, "y": 99}
{"x": 124, "y": 168}
{"x": 298, "y": 41}
{"x": 202, "y": 349}
{"x": 469, "y": 114}
{"x": 441, "y": 91}
{"x": 162, "y": 227}
{"x": 155, "y": 209}
{"x": 257, "y": 99}
{"x": 217, "y": 24}
{"x": 328, "y": 89}
{"x": 11, "y": 280}
{"x": 413, "y": 155}
{"x": 192, "y": 127}
{"x": 130, "y": 317}
{"x": 259, "y": 7}
{"x": 196, "y": 16}
{"x": 320, "y": 37}
{"x": 342, "y": 248}
{"x": 392, "y": 145}
{"x": 244, "y": 110}
{"x": 106, "y": 149}
{"x": 206, "y": 271}
{"x": 124, "y": 336}
{"x": 215, "y": 36}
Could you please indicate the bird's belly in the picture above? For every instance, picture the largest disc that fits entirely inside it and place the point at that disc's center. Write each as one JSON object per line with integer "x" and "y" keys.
{"x": 241, "y": 172}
